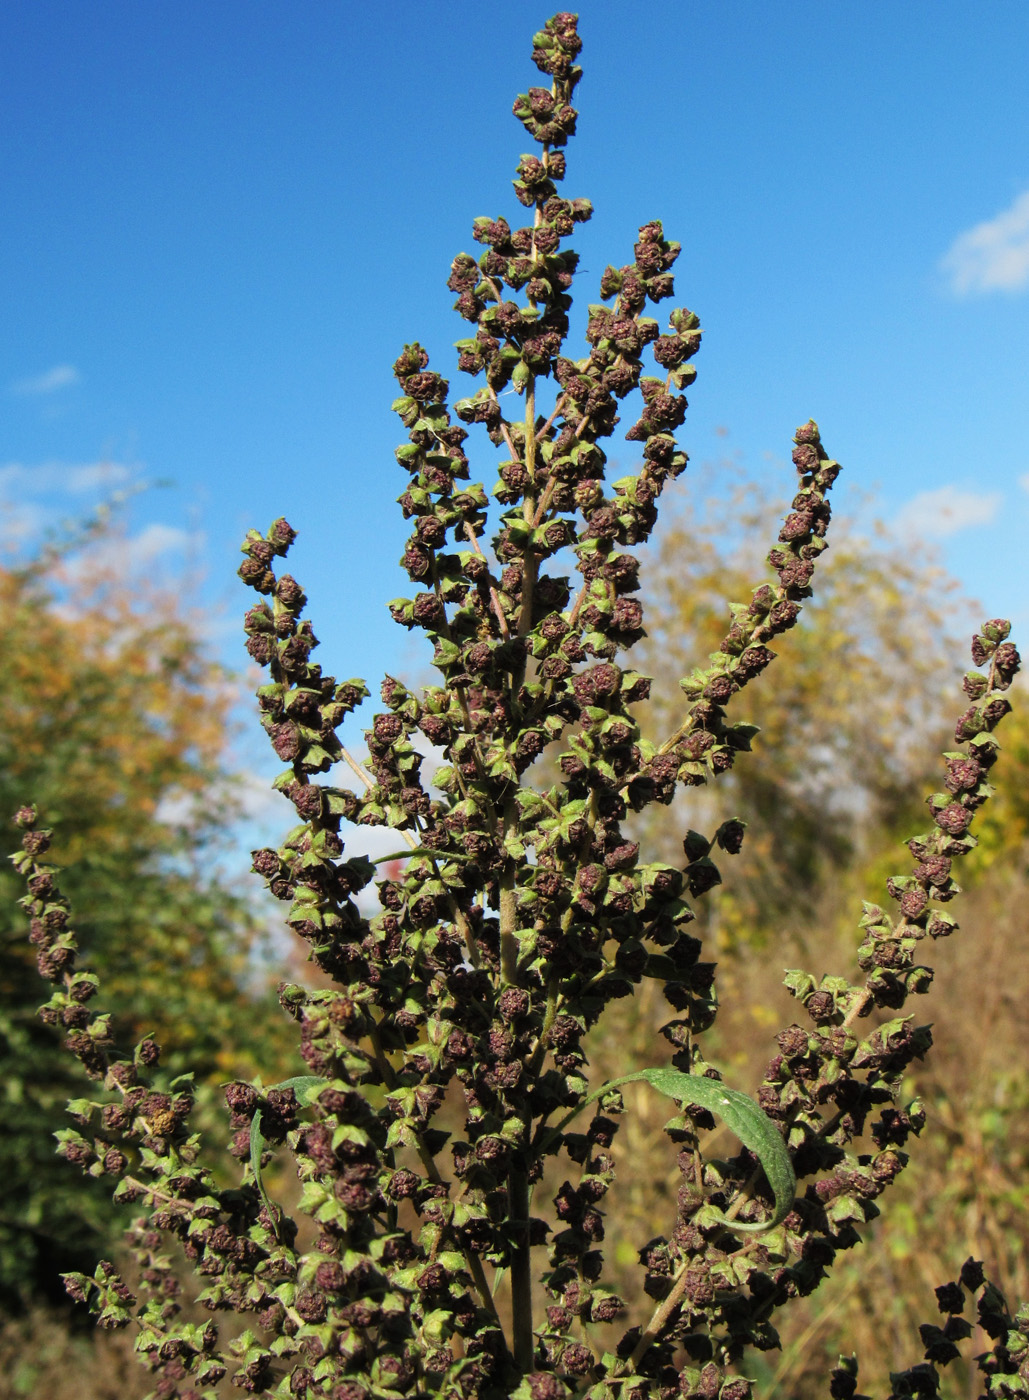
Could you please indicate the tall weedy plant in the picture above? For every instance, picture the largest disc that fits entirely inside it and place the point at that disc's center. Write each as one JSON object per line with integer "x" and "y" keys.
{"x": 417, "y": 1261}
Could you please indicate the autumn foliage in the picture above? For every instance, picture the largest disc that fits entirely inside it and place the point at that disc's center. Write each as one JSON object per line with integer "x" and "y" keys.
{"x": 115, "y": 720}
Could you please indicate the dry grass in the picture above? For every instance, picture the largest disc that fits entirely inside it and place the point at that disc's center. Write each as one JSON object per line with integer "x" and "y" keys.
{"x": 965, "y": 1193}
{"x": 42, "y": 1359}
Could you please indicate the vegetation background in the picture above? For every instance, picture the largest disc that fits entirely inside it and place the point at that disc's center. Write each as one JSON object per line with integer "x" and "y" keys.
{"x": 832, "y": 171}
{"x": 118, "y": 722}
{"x": 113, "y": 707}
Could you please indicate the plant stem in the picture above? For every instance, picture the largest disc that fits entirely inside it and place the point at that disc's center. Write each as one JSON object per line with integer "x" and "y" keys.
{"x": 530, "y": 560}
{"x": 508, "y": 907}
{"x": 521, "y": 1272}
{"x": 494, "y": 597}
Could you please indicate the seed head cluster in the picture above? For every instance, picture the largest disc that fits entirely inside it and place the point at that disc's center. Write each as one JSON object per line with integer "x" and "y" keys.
{"x": 445, "y": 1037}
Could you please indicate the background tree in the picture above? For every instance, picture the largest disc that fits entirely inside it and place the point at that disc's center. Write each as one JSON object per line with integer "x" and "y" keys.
{"x": 117, "y": 720}
{"x": 855, "y": 718}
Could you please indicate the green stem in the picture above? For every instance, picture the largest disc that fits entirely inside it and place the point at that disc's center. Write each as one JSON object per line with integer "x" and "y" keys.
{"x": 509, "y": 904}
{"x": 530, "y": 562}
{"x": 521, "y": 1271}
{"x": 472, "y": 1260}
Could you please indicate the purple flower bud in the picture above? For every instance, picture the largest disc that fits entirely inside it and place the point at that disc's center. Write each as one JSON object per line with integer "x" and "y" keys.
{"x": 261, "y": 648}
{"x": 753, "y": 661}
{"x": 387, "y": 729}
{"x": 426, "y": 387}
{"x": 963, "y": 774}
{"x": 576, "y": 1359}
{"x": 281, "y": 535}
{"x": 797, "y": 525}
{"x": 286, "y": 741}
{"x": 720, "y": 688}
{"x": 242, "y": 1099}
{"x": 795, "y": 573}
{"x": 265, "y": 862}
{"x": 41, "y": 885}
{"x": 994, "y": 711}
{"x": 1006, "y": 660}
{"x": 730, "y": 836}
{"x": 913, "y": 902}
{"x": 805, "y": 457}
{"x": 52, "y": 963}
{"x": 290, "y": 594}
{"x": 953, "y": 819}
{"x": 513, "y": 1003}
{"x": 311, "y": 1307}
{"x": 700, "y": 1288}
{"x": 950, "y": 1298}
{"x": 783, "y": 616}
{"x": 261, "y": 551}
{"x": 627, "y": 615}
{"x": 793, "y": 1041}
{"x": 623, "y": 856}
{"x": 934, "y": 870}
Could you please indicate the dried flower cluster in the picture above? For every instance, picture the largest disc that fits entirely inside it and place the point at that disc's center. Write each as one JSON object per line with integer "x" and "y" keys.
{"x": 520, "y": 913}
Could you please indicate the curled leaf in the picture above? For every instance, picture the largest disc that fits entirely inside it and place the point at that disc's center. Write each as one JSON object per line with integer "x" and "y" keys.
{"x": 307, "y": 1087}
{"x": 751, "y": 1125}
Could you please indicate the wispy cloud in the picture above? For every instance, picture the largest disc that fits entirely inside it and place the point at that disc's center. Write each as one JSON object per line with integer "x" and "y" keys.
{"x": 1023, "y": 481}
{"x": 20, "y": 523}
{"x": 61, "y": 478}
{"x": 49, "y": 382}
{"x": 133, "y": 552}
{"x": 35, "y": 496}
{"x": 937, "y": 514}
{"x": 151, "y": 557}
{"x": 993, "y": 256}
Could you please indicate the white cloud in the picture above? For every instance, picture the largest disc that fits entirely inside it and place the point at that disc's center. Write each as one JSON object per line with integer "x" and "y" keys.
{"x": 61, "y": 478}
{"x": 19, "y": 523}
{"x": 41, "y": 495}
{"x": 993, "y": 256}
{"x": 946, "y": 510}
{"x": 177, "y": 808}
{"x": 1023, "y": 481}
{"x": 125, "y": 555}
{"x": 60, "y": 377}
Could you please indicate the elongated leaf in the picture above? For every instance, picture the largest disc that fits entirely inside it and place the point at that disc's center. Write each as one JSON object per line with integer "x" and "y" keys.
{"x": 257, "y": 1142}
{"x": 751, "y": 1125}
{"x": 306, "y": 1087}
{"x": 442, "y": 856}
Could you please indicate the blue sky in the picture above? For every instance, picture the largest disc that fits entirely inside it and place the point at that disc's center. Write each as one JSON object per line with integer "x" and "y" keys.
{"x": 221, "y": 223}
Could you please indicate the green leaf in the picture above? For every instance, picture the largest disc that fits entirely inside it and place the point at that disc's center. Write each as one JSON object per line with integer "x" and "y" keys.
{"x": 421, "y": 851}
{"x": 751, "y": 1125}
{"x": 307, "y": 1088}
{"x": 257, "y": 1144}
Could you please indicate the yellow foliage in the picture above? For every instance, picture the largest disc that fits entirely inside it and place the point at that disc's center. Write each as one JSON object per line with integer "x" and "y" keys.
{"x": 851, "y": 714}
